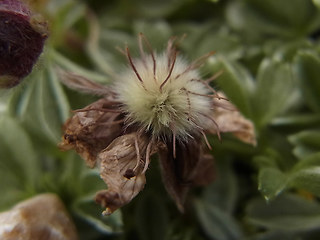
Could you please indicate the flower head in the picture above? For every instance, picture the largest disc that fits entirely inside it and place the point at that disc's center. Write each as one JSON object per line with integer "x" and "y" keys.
{"x": 164, "y": 95}
{"x": 22, "y": 37}
{"x": 158, "y": 104}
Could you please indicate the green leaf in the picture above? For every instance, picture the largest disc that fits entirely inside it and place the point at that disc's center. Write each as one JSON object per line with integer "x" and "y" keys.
{"x": 151, "y": 218}
{"x": 211, "y": 36}
{"x": 307, "y": 162}
{"x": 272, "y": 94}
{"x": 287, "y": 51}
{"x": 308, "y": 65}
{"x": 216, "y": 223}
{"x": 17, "y": 152}
{"x": 306, "y": 142}
{"x": 87, "y": 209}
{"x": 90, "y": 181}
{"x": 275, "y": 235}
{"x": 297, "y": 121}
{"x": 306, "y": 174}
{"x": 179, "y": 231}
{"x": 64, "y": 63}
{"x": 156, "y": 8}
{"x": 53, "y": 105}
{"x": 272, "y": 182}
{"x": 257, "y": 20}
{"x": 19, "y": 163}
{"x": 75, "y": 179}
{"x": 289, "y": 13}
{"x": 308, "y": 179}
{"x": 42, "y": 105}
{"x": 69, "y": 13}
{"x": 158, "y": 33}
{"x": 251, "y": 24}
{"x": 287, "y": 213}
{"x": 316, "y": 2}
{"x": 235, "y": 82}
{"x": 272, "y": 179}
{"x": 223, "y": 192}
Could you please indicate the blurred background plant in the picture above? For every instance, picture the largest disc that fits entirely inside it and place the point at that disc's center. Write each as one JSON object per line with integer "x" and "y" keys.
{"x": 269, "y": 54}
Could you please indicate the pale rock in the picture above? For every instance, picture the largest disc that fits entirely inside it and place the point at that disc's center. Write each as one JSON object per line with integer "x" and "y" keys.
{"x": 43, "y": 217}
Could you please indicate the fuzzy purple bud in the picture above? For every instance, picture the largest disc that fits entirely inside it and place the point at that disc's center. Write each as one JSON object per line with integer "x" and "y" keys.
{"x": 22, "y": 36}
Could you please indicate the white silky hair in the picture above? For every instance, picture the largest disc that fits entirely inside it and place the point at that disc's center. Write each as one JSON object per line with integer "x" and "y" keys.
{"x": 181, "y": 105}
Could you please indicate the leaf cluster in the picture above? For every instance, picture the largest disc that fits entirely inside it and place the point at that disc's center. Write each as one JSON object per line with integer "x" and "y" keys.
{"x": 269, "y": 52}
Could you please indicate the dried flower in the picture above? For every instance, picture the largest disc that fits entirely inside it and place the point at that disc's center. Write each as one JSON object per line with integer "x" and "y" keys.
{"x": 159, "y": 104}
{"x": 22, "y": 36}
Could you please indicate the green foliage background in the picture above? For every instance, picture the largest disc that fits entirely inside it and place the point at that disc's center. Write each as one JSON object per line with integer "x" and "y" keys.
{"x": 269, "y": 51}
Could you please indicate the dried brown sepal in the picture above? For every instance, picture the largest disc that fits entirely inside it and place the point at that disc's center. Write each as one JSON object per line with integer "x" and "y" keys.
{"x": 204, "y": 172}
{"x": 116, "y": 162}
{"x": 92, "y": 129}
{"x": 43, "y": 217}
{"x": 231, "y": 120}
{"x": 82, "y": 84}
{"x": 191, "y": 167}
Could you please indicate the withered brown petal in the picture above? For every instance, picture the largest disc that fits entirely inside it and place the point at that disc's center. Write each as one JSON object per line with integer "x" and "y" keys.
{"x": 92, "y": 129}
{"x": 204, "y": 172}
{"x": 115, "y": 162}
{"x": 43, "y": 217}
{"x": 231, "y": 120}
{"x": 190, "y": 167}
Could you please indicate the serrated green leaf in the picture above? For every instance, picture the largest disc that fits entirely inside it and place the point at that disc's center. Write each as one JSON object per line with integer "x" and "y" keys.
{"x": 216, "y": 223}
{"x": 151, "y": 218}
{"x": 308, "y": 65}
{"x": 306, "y": 174}
{"x": 271, "y": 182}
{"x": 287, "y": 213}
{"x": 308, "y": 179}
{"x": 272, "y": 94}
{"x": 272, "y": 179}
